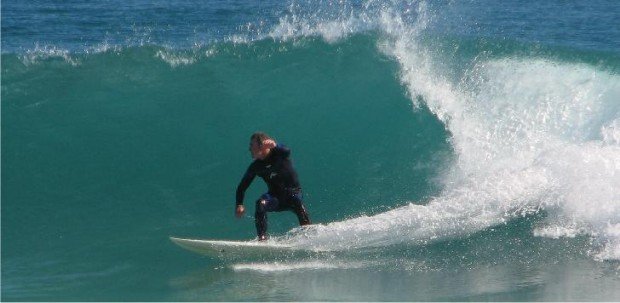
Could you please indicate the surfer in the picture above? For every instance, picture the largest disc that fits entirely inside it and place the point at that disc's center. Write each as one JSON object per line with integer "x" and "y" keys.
{"x": 273, "y": 164}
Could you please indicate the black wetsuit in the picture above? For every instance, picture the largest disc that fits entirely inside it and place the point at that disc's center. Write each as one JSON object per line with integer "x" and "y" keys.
{"x": 284, "y": 190}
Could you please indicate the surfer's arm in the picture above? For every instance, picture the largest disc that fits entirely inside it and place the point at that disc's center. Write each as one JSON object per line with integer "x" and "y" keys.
{"x": 244, "y": 184}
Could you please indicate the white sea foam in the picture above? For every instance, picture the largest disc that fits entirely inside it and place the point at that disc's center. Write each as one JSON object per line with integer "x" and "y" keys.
{"x": 103, "y": 47}
{"x": 40, "y": 53}
{"x": 297, "y": 265}
{"x": 556, "y": 231}
{"x": 611, "y": 132}
{"x": 529, "y": 134}
{"x": 175, "y": 59}
{"x": 291, "y": 27}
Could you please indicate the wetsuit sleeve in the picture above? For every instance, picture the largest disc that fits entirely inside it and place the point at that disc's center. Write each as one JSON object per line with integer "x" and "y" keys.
{"x": 244, "y": 184}
{"x": 283, "y": 150}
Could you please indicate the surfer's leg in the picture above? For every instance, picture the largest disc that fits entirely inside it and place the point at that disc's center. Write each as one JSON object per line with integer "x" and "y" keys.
{"x": 297, "y": 205}
{"x": 265, "y": 204}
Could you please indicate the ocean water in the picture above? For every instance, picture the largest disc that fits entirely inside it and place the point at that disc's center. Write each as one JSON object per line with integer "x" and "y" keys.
{"x": 448, "y": 150}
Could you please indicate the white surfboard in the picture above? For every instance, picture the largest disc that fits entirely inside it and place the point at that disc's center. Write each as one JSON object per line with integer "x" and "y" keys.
{"x": 227, "y": 249}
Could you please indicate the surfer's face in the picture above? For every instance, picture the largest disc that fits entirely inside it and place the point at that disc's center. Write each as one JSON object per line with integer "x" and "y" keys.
{"x": 258, "y": 151}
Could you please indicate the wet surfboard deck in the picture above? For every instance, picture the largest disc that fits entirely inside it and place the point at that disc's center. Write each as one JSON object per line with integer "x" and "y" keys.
{"x": 225, "y": 249}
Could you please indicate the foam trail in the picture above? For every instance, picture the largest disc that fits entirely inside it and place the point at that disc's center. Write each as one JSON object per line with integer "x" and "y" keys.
{"x": 463, "y": 210}
{"x": 530, "y": 134}
{"x": 297, "y": 265}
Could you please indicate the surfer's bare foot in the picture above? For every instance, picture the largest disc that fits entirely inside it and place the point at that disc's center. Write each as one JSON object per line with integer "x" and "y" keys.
{"x": 262, "y": 238}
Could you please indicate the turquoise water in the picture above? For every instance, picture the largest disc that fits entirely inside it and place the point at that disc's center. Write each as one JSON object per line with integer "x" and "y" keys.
{"x": 463, "y": 151}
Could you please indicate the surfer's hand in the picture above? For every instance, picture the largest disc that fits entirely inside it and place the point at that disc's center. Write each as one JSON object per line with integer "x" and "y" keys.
{"x": 239, "y": 211}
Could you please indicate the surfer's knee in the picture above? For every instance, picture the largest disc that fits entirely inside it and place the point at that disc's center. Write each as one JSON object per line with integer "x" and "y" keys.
{"x": 261, "y": 205}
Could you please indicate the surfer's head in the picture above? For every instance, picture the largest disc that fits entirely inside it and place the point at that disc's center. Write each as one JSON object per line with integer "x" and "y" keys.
{"x": 257, "y": 147}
